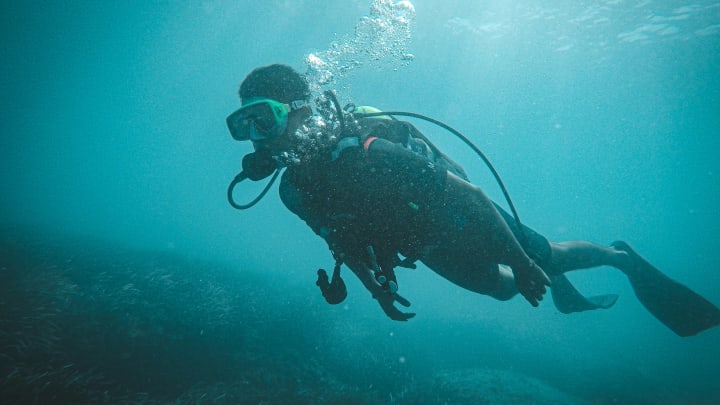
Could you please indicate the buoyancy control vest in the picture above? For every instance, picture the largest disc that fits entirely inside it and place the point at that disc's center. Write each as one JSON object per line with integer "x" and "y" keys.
{"x": 398, "y": 132}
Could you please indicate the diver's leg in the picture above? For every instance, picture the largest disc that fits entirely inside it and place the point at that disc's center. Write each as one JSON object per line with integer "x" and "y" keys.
{"x": 575, "y": 255}
{"x": 675, "y": 305}
{"x": 480, "y": 227}
{"x": 487, "y": 279}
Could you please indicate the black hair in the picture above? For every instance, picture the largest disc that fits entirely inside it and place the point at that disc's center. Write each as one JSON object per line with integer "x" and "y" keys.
{"x": 278, "y": 82}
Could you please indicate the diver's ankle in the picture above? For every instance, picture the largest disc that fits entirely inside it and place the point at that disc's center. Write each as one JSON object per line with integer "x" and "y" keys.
{"x": 621, "y": 260}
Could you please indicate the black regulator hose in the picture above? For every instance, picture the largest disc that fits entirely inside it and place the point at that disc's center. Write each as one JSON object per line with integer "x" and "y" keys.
{"x": 256, "y": 166}
{"x": 239, "y": 179}
{"x": 472, "y": 146}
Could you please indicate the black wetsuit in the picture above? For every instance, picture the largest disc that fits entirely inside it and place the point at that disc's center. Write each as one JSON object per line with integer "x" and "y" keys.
{"x": 381, "y": 193}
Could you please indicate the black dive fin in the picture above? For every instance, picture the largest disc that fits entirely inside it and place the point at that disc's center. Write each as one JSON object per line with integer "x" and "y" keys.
{"x": 567, "y": 299}
{"x": 679, "y": 308}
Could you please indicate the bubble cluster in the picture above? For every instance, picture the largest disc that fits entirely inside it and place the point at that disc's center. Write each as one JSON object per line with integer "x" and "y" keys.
{"x": 381, "y": 40}
{"x": 316, "y": 136}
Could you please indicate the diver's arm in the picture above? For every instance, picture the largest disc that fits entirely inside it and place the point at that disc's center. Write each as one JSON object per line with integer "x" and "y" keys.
{"x": 385, "y": 298}
{"x": 494, "y": 238}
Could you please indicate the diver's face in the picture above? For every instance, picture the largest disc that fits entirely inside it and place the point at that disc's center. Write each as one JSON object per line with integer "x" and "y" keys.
{"x": 284, "y": 142}
{"x": 296, "y": 119}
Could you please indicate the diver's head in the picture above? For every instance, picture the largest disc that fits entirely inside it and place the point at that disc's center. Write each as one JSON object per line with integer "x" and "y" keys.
{"x": 275, "y": 102}
{"x": 277, "y": 82}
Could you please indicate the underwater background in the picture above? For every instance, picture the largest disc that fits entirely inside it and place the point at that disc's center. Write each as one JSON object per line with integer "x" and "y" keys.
{"x": 126, "y": 277}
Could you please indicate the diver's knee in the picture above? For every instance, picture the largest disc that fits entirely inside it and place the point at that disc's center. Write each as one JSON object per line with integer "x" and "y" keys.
{"x": 504, "y": 288}
{"x": 504, "y": 295}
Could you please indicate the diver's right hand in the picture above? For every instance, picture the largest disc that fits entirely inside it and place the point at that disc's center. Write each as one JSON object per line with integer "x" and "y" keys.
{"x": 387, "y": 303}
{"x": 531, "y": 281}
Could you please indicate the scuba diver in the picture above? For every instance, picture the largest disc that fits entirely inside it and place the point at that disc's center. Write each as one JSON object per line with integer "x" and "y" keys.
{"x": 383, "y": 196}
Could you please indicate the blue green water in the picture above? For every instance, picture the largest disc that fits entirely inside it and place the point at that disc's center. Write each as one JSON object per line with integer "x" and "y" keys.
{"x": 601, "y": 116}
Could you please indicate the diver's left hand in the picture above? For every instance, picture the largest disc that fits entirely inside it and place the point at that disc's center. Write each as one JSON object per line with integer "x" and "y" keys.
{"x": 387, "y": 302}
{"x": 531, "y": 281}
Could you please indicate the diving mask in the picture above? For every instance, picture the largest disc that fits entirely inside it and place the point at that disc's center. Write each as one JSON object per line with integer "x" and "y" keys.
{"x": 261, "y": 119}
